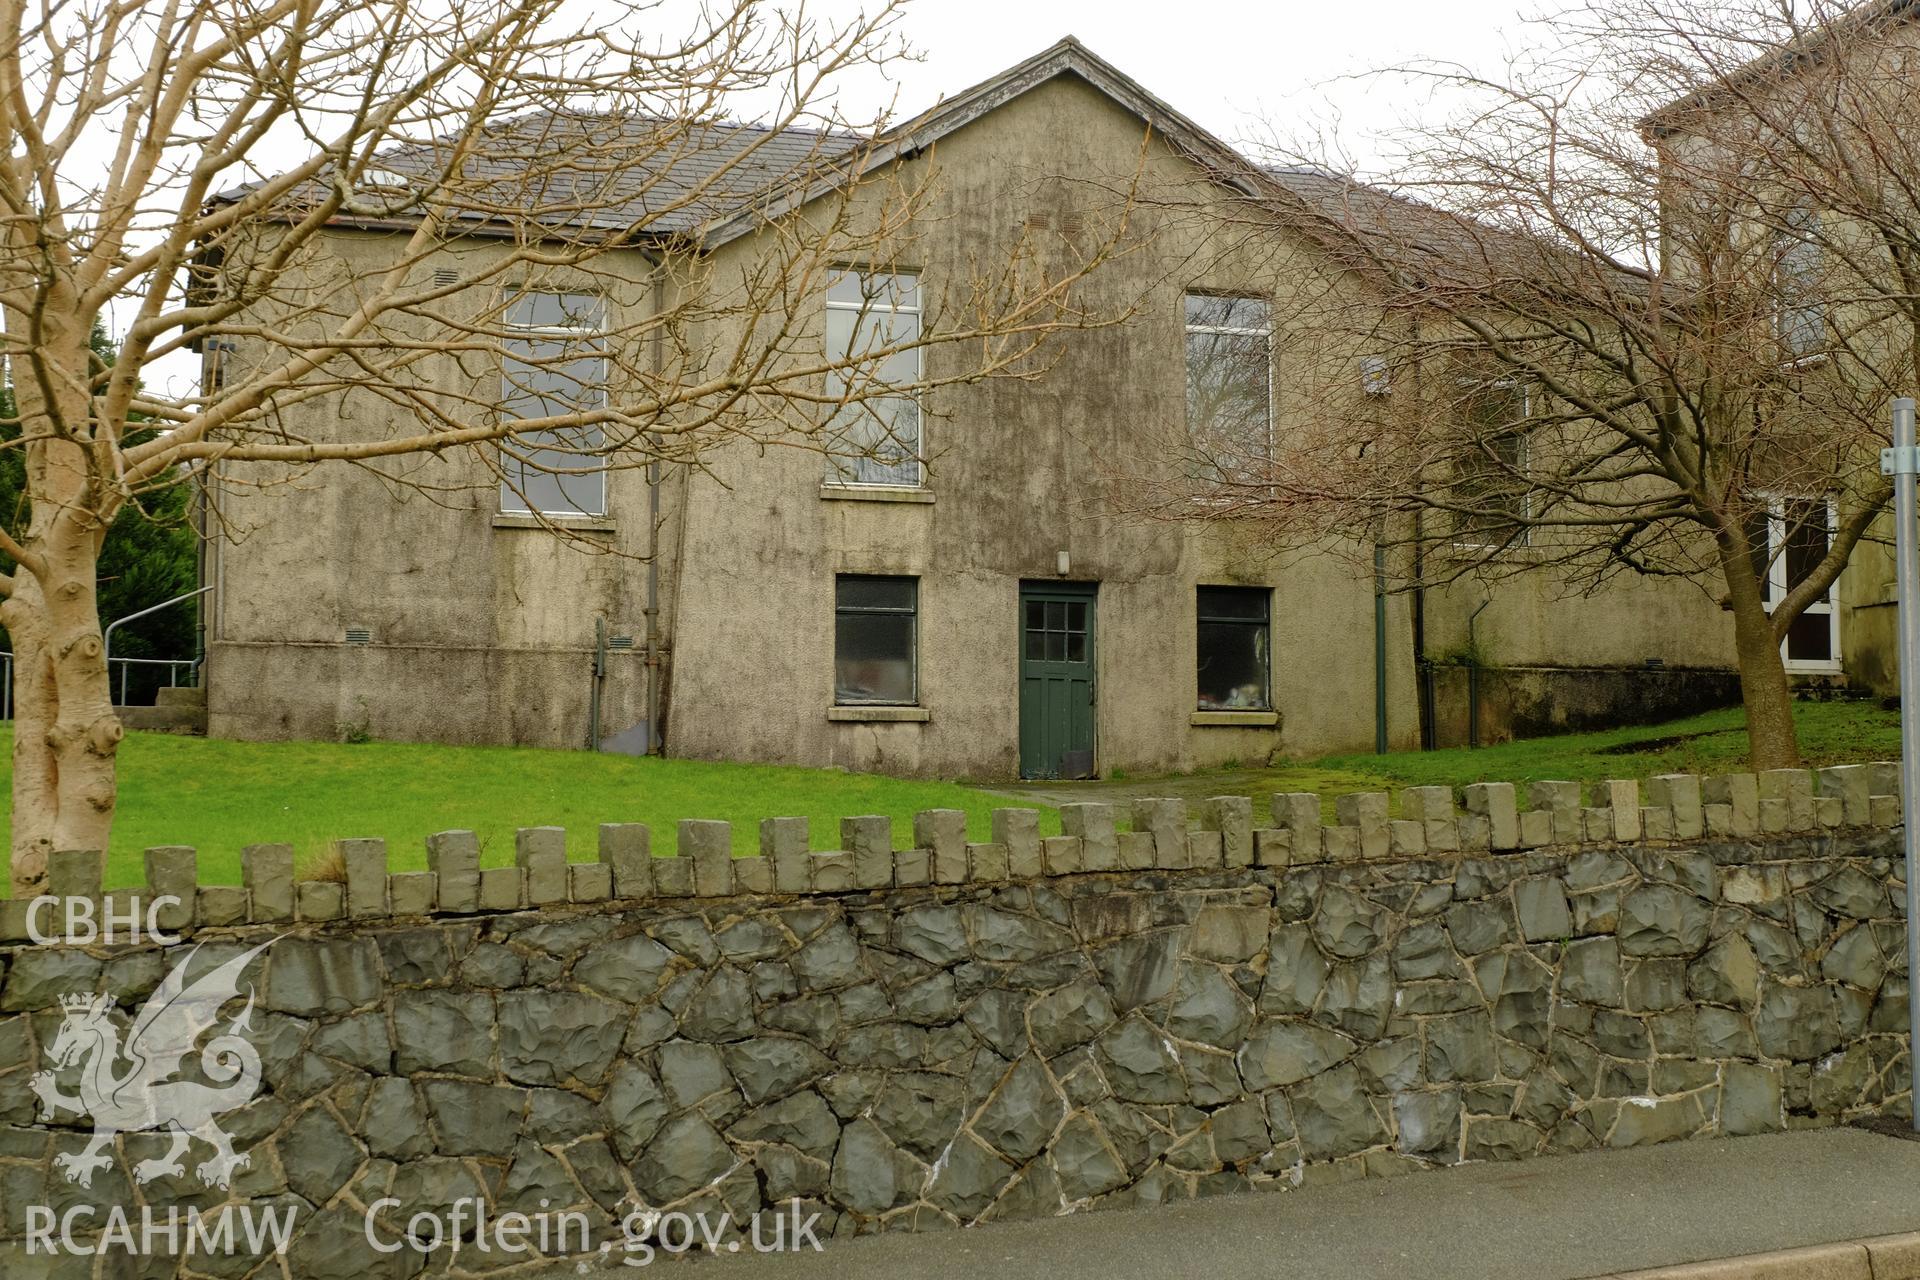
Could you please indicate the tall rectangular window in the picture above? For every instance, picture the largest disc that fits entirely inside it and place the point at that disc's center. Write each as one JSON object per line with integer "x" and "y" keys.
{"x": 875, "y": 438}
{"x": 876, "y": 640}
{"x": 1491, "y": 491}
{"x": 1800, "y": 314}
{"x": 1229, "y": 388}
{"x": 1234, "y": 659}
{"x": 1788, "y": 538}
{"x": 554, "y": 364}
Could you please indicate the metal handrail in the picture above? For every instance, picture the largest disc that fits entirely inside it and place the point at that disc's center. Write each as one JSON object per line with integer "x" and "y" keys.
{"x": 106, "y": 637}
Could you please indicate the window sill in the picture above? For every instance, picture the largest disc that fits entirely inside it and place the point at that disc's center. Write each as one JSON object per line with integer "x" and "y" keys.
{"x": 880, "y": 715}
{"x": 1235, "y": 719}
{"x": 873, "y": 493}
{"x": 578, "y": 524}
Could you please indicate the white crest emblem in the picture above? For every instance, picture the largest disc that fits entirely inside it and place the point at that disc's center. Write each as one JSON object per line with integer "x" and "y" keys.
{"x": 129, "y": 1087}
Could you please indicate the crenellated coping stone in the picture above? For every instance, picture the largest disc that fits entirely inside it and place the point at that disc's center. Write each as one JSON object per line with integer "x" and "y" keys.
{"x": 783, "y": 843}
{"x": 1623, "y": 805}
{"x": 1678, "y": 808}
{"x": 831, "y": 871}
{"x": 541, "y": 854}
{"x": 1851, "y": 785}
{"x": 319, "y": 900}
{"x": 366, "y": 864}
{"x": 411, "y": 893}
{"x": 454, "y": 856}
{"x": 1740, "y": 793}
{"x": 173, "y": 871}
{"x": 1366, "y": 813}
{"x": 868, "y": 841}
{"x": 627, "y": 850}
{"x": 1795, "y": 787}
{"x": 943, "y": 833}
{"x": 987, "y": 863}
{"x": 266, "y": 870}
{"x": 1098, "y": 832}
{"x": 1561, "y": 802}
{"x": 76, "y": 873}
{"x": 1062, "y": 855}
{"x": 1165, "y": 819}
{"x": 1019, "y": 831}
{"x": 1232, "y": 817}
{"x": 1298, "y": 814}
{"x": 1497, "y": 803}
{"x": 1679, "y": 794}
{"x": 710, "y": 845}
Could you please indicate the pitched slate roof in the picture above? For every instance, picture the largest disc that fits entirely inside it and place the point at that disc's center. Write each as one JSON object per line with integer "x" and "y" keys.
{"x": 643, "y": 171}
{"x": 1785, "y": 61}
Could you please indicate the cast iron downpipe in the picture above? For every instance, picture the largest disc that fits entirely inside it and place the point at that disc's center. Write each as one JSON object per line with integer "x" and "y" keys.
{"x": 1379, "y": 649}
{"x": 1473, "y": 676}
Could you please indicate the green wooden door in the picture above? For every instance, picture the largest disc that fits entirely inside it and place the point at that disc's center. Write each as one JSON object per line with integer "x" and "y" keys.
{"x": 1056, "y": 680}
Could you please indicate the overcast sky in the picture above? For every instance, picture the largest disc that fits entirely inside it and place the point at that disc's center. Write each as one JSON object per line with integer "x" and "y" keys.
{"x": 1228, "y": 64}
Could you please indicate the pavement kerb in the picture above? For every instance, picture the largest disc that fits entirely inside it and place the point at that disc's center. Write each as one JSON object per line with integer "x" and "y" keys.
{"x": 1879, "y": 1258}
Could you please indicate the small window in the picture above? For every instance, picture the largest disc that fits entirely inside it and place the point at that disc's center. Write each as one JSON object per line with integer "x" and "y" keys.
{"x": 1491, "y": 492}
{"x": 874, "y": 439}
{"x": 1229, "y": 388}
{"x": 554, "y": 364}
{"x": 1234, "y": 661}
{"x": 1800, "y": 314}
{"x": 875, "y": 642}
{"x": 1788, "y": 538}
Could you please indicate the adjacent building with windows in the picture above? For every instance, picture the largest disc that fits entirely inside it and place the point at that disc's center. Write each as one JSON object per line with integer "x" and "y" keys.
{"x": 946, "y": 593}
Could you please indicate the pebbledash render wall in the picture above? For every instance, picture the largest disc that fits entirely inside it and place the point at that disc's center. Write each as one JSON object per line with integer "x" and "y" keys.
{"x": 958, "y": 1033}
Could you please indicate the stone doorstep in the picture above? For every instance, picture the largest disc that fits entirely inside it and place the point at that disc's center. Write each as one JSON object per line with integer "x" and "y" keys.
{"x": 1875, "y": 1258}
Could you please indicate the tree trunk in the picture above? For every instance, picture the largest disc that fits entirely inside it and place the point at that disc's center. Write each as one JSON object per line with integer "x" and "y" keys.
{"x": 1772, "y": 742}
{"x": 65, "y": 732}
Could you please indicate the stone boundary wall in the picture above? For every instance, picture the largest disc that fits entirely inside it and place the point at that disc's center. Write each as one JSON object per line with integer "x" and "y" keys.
{"x": 993, "y": 1031}
{"x": 1161, "y": 836}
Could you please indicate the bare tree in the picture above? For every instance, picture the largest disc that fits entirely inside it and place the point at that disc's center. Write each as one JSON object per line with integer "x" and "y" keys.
{"x": 182, "y": 171}
{"x": 1636, "y": 308}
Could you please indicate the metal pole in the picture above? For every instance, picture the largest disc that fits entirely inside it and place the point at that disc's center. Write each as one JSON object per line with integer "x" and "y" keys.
{"x": 1901, "y": 462}
{"x": 1379, "y": 649}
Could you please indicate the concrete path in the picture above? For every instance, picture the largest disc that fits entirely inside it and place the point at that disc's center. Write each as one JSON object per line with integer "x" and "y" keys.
{"x": 1555, "y": 1218}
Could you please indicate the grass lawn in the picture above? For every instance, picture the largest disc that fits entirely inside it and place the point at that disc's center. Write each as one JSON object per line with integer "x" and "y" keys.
{"x": 1715, "y": 742}
{"x": 220, "y": 796}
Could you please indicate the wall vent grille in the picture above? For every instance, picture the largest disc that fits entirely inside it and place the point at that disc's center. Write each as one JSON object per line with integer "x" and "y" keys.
{"x": 446, "y": 275}
{"x": 359, "y": 635}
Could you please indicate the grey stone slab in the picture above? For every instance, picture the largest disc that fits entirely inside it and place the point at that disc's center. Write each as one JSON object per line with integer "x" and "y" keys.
{"x": 627, "y": 848}
{"x": 221, "y": 904}
{"x": 943, "y": 833}
{"x": 412, "y": 893}
{"x": 589, "y": 882}
{"x": 266, "y": 870}
{"x": 366, "y": 863}
{"x": 502, "y": 889}
{"x": 1298, "y": 812}
{"x": 454, "y": 856}
{"x": 320, "y": 900}
{"x": 868, "y": 842}
{"x": 173, "y": 872}
{"x": 1019, "y": 831}
{"x": 710, "y": 845}
{"x": 1498, "y": 803}
{"x": 541, "y": 854}
{"x": 1232, "y": 817}
{"x": 987, "y": 862}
